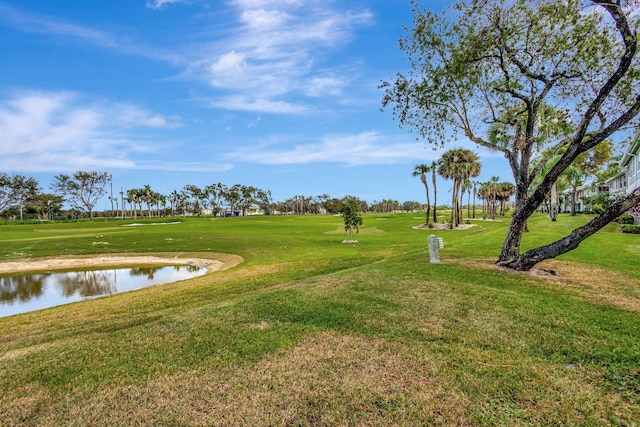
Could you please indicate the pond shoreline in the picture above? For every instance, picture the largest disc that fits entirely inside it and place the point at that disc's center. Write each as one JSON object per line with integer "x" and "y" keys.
{"x": 216, "y": 262}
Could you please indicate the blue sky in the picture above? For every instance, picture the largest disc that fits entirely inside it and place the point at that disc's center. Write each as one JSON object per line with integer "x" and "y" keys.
{"x": 279, "y": 94}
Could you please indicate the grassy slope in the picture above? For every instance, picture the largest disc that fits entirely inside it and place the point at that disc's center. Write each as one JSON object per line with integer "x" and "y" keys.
{"x": 309, "y": 331}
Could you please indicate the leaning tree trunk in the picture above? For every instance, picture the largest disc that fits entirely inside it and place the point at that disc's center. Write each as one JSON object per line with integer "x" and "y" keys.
{"x": 527, "y": 260}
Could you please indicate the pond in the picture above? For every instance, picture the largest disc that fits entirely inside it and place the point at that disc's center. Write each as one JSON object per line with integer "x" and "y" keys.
{"x": 35, "y": 291}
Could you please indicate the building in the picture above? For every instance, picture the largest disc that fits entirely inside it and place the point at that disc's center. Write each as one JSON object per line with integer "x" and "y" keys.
{"x": 630, "y": 163}
{"x": 629, "y": 177}
{"x": 581, "y": 191}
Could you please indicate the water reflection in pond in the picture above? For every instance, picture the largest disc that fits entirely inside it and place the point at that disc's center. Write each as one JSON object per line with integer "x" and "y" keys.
{"x": 29, "y": 292}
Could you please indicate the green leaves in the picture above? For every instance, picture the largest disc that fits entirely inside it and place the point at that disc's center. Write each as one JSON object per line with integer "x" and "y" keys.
{"x": 350, "y": 211}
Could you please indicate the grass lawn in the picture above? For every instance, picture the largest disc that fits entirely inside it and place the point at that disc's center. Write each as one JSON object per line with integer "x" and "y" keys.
{"x": 310, "y": 331}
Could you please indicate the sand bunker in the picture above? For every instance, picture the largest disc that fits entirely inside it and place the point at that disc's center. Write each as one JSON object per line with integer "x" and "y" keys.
{"x": 216, "y": 262}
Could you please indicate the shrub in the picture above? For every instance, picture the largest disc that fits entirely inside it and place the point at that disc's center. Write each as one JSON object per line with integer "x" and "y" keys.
{"x": 629, "y": 228}
{"x": 597, "y": 209}
{"x": 625, "y": 219}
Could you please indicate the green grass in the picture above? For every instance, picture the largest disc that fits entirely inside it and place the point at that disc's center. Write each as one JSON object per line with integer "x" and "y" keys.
{"x": 310, "y": 331}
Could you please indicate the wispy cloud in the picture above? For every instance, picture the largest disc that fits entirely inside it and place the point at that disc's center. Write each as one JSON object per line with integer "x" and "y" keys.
{"x": 251, "y": 104}
{"x": 270, "y": 57}
{"x": 42, "y": 24}
{"x": 56, "y": 26}
{"x": 157, "y": 4}
{"x": 61, "y": 131}
{"x": 274, "y": 52}
{"x": 183, "y": 166}
{"x": 365, "y": 148}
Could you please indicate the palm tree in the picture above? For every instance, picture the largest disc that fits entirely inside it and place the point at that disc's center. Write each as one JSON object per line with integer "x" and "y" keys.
{"x": 494, "y": 189}
{"x": 174, "y": 197}
{"x": 465, "y": 188}
{"x": 484, "y": 193}
{"x": 147, "y": 197}
{"x": 133, "y": 197}
{"x": 475, "y": 193}
{"x": 458, "y": 164}
{"x": 504, "y": 193}
{"x": 434, "y": 167}
{"x": 421, "y": 171}
{"x": 124, "y": 208}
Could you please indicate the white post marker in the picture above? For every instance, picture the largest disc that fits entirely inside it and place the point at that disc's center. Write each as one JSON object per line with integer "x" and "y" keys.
{"x": 433, "y": 249}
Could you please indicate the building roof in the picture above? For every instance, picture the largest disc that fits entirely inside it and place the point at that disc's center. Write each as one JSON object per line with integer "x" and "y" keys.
{"x": 616, "y": 176}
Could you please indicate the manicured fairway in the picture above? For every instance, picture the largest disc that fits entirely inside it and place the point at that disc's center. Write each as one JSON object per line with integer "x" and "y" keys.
{"x": 310, "y": 331}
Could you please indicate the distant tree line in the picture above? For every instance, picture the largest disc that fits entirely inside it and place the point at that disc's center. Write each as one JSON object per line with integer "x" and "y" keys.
{"x": 76, "y": 196}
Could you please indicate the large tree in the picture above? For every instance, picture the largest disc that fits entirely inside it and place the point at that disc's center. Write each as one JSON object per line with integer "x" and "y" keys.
{"x": 83, "y": 189}
{"x": 15, "y": 190}
{"x": 504, "y": 62}
{"x": 215, "y": 194}
{"x": 45, "y": 205}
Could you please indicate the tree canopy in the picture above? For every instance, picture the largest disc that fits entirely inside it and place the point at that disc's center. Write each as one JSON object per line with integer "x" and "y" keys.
{"x": 350, "y": 211}
{"x": 15, "y": 190}
{"x": 548, "y": 75}
{"x": 83, "y": 189}
{"x": 459, "y": 165}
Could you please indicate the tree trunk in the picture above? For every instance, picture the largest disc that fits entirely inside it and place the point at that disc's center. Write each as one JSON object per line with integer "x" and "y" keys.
{"x": 574, "y": 191}
{"x": 454, "y": 204}
{"x": 474, "y": 203}
{"x": 435, "y": 199}
{"x": 460, "y": 204}
{"x": 423, "y": 178}
{"x": 511, "y": 245}
{"x": 553, "y": 209}
{"x": 526, "y": 261}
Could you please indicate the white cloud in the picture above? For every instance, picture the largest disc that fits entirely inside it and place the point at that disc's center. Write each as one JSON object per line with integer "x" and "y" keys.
{"x": 131, "y": 116}
{"x": 160, "y": 122}
{"x": 42, "y": 24}
{"x": 157, "y": 4}
{"x": 268, "y": 55}
{"x": 321, "y": 86}
{"x": 364, "y": 148}
{"x": 58, "y": 26}
{"x": 184, "y": 166}
{"x": 273, "y": 52}
{"x": 249, "y": 104}
{"x": 60, "y": 131}
{"x": 262, "y": 20}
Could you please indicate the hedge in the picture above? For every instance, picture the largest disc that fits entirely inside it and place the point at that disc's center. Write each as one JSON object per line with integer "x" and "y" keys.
{"x": 628, "y": 228}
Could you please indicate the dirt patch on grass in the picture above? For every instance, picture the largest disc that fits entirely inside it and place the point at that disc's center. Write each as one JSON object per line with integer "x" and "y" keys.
{"x": 210, "y": 261}
{"x": 329, "y": 379}
{"x": 593, "y": 283}
{"x": 333, "y": 379}
{"x": 439, "y": 226}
